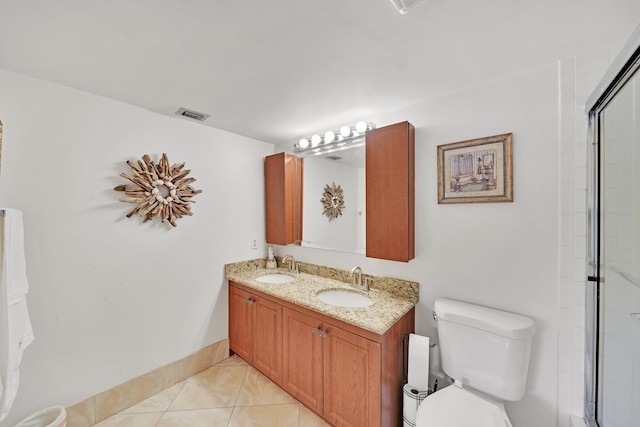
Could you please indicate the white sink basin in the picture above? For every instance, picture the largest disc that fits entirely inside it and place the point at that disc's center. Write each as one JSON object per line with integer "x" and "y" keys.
{"x": 344, "y": 298}
{"x": 275, "y": 278}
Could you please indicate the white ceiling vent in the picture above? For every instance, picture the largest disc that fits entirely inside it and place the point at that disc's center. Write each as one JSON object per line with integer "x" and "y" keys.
{"x": 403, "y": 6}
{"x": 201, "y": 117}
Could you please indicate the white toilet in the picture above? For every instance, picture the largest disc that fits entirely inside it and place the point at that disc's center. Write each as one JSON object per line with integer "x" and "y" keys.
{"x": 486, "y": 352}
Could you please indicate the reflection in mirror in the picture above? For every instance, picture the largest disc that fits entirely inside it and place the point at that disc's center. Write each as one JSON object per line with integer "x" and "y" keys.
{"x": 346, "y": 232}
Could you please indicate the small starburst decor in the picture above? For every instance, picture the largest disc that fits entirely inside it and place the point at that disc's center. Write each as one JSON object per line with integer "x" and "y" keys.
{"x": 160, "y": 190}
{"x": 332, "y": 201}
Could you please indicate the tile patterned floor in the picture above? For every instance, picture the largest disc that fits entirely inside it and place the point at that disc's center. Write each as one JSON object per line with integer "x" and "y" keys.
{"x": 231, "y": 393}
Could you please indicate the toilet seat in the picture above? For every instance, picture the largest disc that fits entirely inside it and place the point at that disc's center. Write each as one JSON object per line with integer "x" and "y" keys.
{"x": 456, "y": 406}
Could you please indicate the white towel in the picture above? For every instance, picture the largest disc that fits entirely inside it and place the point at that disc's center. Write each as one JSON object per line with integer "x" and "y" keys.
{"x": 15, "y": 327}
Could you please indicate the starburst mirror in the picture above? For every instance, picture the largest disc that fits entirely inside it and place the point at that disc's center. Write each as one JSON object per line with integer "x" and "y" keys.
{"x": 332, "y": 201}
{"x": 159, "y": 190}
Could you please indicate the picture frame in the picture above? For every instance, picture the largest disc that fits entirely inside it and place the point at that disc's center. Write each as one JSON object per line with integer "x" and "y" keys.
{"x": 476, "y": 171}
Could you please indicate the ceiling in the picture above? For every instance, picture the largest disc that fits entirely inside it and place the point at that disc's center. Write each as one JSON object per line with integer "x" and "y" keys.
{"x": 278, "y": 70}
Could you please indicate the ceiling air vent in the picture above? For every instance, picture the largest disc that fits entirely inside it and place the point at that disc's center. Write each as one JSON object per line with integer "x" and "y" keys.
{"x": 190, "y": 114}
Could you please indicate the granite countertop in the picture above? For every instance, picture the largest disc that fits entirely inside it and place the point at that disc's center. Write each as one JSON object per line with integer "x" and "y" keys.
{"x": 387, "y": 308}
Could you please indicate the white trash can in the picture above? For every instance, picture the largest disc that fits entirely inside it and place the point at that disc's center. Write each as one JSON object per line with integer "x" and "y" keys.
{"x": 55, "y": 416}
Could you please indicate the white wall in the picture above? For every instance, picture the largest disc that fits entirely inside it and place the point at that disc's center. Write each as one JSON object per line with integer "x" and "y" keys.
{"x": 503, "y": 255}
{"x": 110, "y": 297}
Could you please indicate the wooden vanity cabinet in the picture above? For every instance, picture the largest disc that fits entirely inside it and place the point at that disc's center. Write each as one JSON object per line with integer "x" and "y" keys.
{"x": 283, "y": 198}
{"x": 255, "y": 331}
{"x": 351, "y": 379}
{"x": 390, "y": 183}
{"x": 241, "y": 323}
{"x": 302, "y": 359}
{"x": 347, "y": 375}
{"x": 334, "y": 372}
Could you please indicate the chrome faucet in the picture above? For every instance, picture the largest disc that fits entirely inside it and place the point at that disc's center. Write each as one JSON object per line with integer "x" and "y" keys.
{"x": 292, "y": 266}
{"x": 357, "y": 282}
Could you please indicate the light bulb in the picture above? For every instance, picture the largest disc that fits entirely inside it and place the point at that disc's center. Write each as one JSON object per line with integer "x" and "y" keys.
{"x": 329, "y": 136}
{"x": 345, "y": 131}
{"x": 361, "y": 126}
{"x": 304, "y": 143}
{"x": 315, "y": 140}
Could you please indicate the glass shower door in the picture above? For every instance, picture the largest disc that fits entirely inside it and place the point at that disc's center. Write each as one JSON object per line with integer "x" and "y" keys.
{"x": 618, "y": 402}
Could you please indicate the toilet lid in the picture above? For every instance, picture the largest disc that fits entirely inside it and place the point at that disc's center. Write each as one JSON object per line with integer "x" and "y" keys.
{"x": 459, "y": 407}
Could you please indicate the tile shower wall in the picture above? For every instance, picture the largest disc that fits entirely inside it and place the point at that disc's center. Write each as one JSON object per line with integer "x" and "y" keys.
{"x": 578, "y": 77}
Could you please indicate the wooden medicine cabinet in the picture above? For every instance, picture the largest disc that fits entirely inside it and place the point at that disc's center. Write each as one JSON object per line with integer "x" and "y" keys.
{"x": 283, "y": 198}
{"x": 390, "y": 182}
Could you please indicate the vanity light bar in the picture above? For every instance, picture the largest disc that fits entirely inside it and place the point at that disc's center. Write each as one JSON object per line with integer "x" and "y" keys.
{"x": 344, "y": 138}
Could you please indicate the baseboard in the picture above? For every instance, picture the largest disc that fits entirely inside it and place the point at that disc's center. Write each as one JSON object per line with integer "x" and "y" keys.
{"x": 101, "y": 406}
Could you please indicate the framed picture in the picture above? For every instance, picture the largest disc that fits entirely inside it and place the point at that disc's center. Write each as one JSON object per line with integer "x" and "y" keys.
{"x": 476, "y": 171}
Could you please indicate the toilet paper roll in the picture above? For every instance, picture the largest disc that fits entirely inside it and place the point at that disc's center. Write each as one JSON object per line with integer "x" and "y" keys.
{"x": 418, "y": 375}
{"x": 411, "y": 399}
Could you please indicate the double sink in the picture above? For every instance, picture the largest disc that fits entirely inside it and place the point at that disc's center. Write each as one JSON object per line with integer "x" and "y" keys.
{"x": 336, "y": 297}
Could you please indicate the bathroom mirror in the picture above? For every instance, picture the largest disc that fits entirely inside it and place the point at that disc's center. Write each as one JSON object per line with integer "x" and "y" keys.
{"x": 345, "y": 233}
{"x": 377, "y": 218}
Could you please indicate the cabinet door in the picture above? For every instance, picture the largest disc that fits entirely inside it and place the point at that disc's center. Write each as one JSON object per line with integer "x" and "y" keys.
{"x": 390, "y": 176}
{"x": 241, "y": 323}
{"x": 351, "y": 379}
{"x": 302, "y": 359}
{"x": 267, "y": 338}
{"x": 283, "y": 198}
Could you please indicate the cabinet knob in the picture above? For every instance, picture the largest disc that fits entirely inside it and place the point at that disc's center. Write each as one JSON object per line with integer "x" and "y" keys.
{"x": 315, "y": 330}
{"x": 249, "y": 300}
{"x": 324, "y": 333}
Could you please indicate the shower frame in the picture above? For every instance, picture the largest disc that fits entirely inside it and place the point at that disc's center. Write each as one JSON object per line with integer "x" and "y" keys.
{"x": 621, "y": 71}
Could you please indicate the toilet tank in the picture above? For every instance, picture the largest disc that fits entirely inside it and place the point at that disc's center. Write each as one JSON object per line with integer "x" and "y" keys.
{"x": 484, "y": 348}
